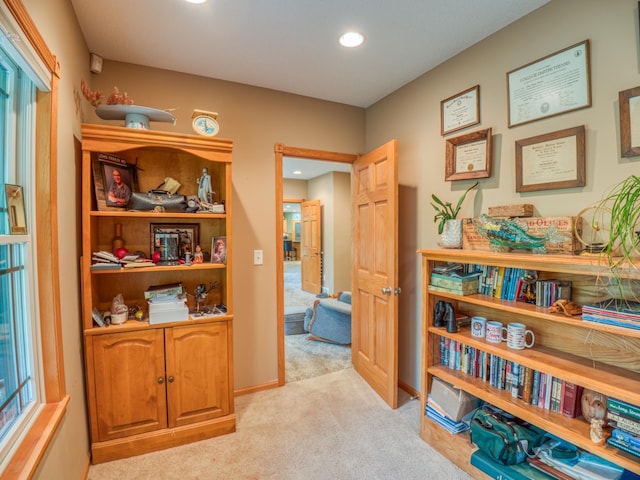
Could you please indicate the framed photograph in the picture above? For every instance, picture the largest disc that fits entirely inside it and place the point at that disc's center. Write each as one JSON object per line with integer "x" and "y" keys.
{"x": 174, "y": 240}
{"x": 555, "y": 84}
{"x": 460, "y": 111}
{"x": 113, "y": 179}
{"x": 469, "y": 156}
{"x": 219, "y": 250}
{"x": 551, "y": 161}
{"x": 15, "y": 207}
{"x": 629, "y": 101}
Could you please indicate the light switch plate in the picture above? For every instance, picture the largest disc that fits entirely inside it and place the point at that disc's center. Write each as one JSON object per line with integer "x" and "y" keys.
{"x": 258, "y": 257}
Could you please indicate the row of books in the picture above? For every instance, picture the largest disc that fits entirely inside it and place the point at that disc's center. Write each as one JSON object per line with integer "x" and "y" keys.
{"x": 531, "y": 386}
{"x": 625, "y": 420}
{"x": 500, "y": 282}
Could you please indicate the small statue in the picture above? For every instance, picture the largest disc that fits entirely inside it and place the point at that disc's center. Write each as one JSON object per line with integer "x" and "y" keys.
{"x": 204, "y": 186}
{"x": 198, "y": 257}
{"x": 596, "y": 433}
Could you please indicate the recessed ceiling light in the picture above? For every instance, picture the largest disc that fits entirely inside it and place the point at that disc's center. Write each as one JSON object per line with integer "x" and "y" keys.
{"x": 297, "y": 172}
{"x": 196, "y": 1}
{"x": 351, "y": 39}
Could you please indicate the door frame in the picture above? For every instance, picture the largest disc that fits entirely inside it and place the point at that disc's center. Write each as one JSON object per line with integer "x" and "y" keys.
{"x": 281, "y": 151}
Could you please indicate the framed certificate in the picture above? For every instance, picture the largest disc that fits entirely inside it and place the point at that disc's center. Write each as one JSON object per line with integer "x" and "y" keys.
{"x": 551, "y": 161}
{"x": 469, "y": 156}
{"x": 460, "y": 111}
{"x": 629, "y": 101}
{"x": 555, "y": 84}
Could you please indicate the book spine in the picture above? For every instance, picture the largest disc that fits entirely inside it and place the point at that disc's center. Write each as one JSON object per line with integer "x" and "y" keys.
{"x": 527, "y": 391}
{"x": 624, "y": 423}
{"x": 572, "y": 396}
{"x": 623, "y": 446}
{"x": 542, "y": 390}
{"x": 626, "y": 437}
{"x": 535, "y": 390}
{"x": 547, "y": 393}
{"x": 623, "y": 408}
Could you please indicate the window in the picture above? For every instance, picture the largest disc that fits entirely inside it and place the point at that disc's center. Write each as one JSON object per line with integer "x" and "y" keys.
{"x": 18, "y": 391}
{"x": 35, "y": 399}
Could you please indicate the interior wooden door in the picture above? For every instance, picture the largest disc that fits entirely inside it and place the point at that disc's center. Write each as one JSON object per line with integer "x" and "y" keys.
{"x": 374, "y": 188}
{"x": 311, "y": 247}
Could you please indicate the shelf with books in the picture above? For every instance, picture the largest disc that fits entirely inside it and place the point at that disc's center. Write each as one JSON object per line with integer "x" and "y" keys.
{"x": 598, "y": 357}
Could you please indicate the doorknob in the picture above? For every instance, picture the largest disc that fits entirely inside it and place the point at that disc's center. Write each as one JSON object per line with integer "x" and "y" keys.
{"x": 386, "y": 290}
{"x": 397, "y": 291}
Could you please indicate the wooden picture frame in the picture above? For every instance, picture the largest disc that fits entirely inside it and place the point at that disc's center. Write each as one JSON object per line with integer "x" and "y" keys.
{"x": 629, "y": 105}
{"x": 15, "y": 208}
{"x": 102, "y": 166}
{"x": 469, "y": 156}
{"x": 551, "y": 161}
{"x": 174, "y": 240}
{"x": 555, "y": 84}
{"x": 460, "y": 111}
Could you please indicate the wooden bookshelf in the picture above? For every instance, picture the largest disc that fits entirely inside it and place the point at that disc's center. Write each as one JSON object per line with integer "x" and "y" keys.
{"x": 599, "y": 357}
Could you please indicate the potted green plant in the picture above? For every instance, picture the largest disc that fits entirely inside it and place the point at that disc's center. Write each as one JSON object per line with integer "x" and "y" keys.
{"x": 445, "y": 214}
{"x": 623, "y": 242}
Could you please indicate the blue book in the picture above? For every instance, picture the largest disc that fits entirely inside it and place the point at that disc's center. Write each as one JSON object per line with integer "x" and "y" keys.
{"x": 623, "y": 446}
{"x": 521, "y": 471}
{"x": 626, "y": 437}
{"x": 623, "y": 408}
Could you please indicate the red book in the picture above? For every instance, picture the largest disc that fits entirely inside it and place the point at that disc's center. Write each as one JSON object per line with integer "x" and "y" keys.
{"x": 571, "y": 406}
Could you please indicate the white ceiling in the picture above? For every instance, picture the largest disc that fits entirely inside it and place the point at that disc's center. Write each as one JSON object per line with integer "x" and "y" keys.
{"x": 291, "y": 45}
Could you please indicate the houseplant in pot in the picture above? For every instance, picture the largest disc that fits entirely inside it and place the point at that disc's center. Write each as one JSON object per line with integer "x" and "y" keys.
{"x": 623, "y": 243}
{"x": 449, "y": 226}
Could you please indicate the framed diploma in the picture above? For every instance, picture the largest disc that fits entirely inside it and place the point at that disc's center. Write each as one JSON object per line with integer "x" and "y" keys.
{"x": 460, "y": 111}
{"x": 551, "y": 161}
{"x": 629, "y": 101}
{"x": 555, "y": 84}
{"x": 469, "y": 156}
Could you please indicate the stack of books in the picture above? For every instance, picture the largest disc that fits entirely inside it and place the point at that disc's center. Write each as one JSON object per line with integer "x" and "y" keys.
{"x": 614, "y": 311}
{"x": 167, "y": 303}
{"x": 104, "y": 260}
{"x": 625, "y": 418}
{"x": 438, "y": 415}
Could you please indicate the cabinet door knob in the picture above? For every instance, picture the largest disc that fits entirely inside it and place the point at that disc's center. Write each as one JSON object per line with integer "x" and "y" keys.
{"x": 170, "y": 379}
{"x": 386, "y": 290}
{"x": 160, "y": 380}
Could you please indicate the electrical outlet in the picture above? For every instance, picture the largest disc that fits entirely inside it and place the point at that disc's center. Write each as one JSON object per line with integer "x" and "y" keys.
{"x": 257, "y": 257}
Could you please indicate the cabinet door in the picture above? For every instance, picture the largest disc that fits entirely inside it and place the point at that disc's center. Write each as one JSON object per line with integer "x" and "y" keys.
{"x": 129, "y": 383}
{"x": 197, "y": 373}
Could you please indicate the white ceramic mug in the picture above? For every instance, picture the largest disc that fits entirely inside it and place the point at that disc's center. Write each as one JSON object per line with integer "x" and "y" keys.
{"x": 478, "y": 326}
{"x": 517, "y": 336}
{"x": 494, "y": 331}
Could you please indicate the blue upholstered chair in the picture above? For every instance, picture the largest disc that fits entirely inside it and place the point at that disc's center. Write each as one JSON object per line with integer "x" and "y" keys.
{"x": 330, "y": 319}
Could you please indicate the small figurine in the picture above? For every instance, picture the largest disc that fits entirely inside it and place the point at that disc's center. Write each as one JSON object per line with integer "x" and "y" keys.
{"x": 198, "y": 257}
{"x": 596, "y": 432}
{"x": 204, "y": 186}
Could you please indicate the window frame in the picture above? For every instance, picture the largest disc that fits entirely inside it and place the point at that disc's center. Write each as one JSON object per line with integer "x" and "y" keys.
{"x": 33, "y": 444}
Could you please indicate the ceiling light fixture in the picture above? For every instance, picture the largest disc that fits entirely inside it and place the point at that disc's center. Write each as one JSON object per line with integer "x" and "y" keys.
{"x": 297, "y": 172}
{"x": 351, "y": 39}
{"x": 196, "y": 1}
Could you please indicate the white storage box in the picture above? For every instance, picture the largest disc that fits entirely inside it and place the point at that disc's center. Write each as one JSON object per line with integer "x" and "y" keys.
{"x": 453, "y": 401}
{"x": 167, "y": 312}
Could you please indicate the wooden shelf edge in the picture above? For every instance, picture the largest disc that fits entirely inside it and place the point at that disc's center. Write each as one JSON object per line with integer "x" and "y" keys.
{"x": 152, "y": 215}
{"x": 133, "y": 325}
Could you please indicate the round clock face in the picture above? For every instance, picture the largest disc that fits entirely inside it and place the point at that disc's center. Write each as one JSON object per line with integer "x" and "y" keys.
{"x": 205, "y": 125}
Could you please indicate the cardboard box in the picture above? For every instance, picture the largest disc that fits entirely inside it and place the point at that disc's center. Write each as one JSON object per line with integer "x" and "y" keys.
{"x": 168, "y": 312}
{"x": 453, "y": 401}
{"x": 537, "y": 226}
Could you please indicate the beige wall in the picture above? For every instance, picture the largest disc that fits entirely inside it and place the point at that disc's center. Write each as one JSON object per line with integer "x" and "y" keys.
{"x": 412, "y": 115}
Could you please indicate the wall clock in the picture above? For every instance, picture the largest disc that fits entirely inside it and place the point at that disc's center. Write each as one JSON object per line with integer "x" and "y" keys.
{"x": 205, "y": 123}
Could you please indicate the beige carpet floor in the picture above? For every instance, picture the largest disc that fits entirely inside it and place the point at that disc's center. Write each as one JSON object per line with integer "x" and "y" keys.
{"x": 329, "y": 427}
{"x": 310, "y": 358}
